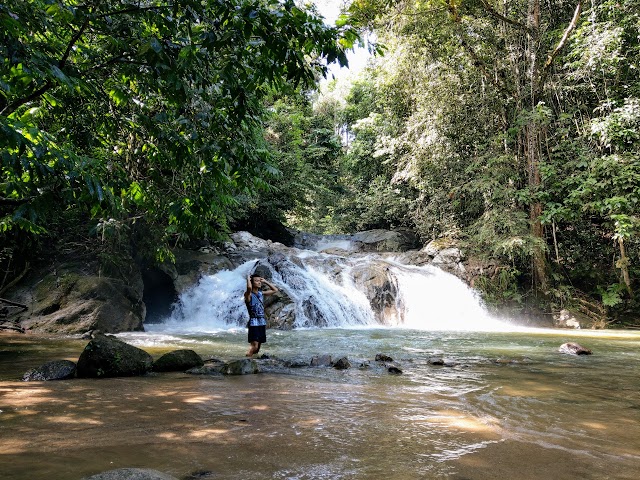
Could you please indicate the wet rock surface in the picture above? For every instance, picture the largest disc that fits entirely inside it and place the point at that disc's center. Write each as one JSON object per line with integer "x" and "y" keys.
{"x": 342, "y": 363}
{"x": 243, "y": 366}
{"x": 178, "y": 361}
{"x": 131, "y": 474}
{"x": 106, "y": 356}
{"x": 54, "y": 370}
{"x": 572, "y": 348}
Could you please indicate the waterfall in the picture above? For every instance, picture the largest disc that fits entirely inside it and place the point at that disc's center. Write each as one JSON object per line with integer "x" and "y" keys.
{"x": 323, "y": 290}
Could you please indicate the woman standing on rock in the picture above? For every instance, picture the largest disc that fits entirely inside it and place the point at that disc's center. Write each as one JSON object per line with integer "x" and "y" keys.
{"x": 254, "y": 299}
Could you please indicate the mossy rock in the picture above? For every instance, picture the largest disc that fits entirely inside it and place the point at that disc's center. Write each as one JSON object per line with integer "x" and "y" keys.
{"x": 106, "y": 356}
{"x": 177, "y": 361}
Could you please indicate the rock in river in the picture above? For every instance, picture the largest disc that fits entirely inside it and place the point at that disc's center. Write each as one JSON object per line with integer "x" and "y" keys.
{"x": 572, "y": 348}
{"x": 106, "y": 356}
{"x": 131, "y": 474}
{"x": 55, "y": 370}
{"x": 177, "y": 361}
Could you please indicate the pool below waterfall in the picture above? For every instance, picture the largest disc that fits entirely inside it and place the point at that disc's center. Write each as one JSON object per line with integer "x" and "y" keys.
{"x": 507, "y": 405}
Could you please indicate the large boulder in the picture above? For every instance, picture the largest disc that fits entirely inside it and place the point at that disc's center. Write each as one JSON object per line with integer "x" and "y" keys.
{"x": 177, "y": 361}
{"x": 381, "y": 289}
{"x": 446, "y": 255}
{"x": 54, "y": 370}
{"x": 106, "y": 356}
{"x": 70, "y": 301}
{"x": 191, "y": 265}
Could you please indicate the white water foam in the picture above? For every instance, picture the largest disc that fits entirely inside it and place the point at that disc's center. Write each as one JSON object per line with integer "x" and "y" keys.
{"x": 325, "y": 293}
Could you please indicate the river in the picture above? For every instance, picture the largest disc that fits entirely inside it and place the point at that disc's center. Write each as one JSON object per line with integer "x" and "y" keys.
{"x": 506, "y": 405}
{"x": 509, "y": 406}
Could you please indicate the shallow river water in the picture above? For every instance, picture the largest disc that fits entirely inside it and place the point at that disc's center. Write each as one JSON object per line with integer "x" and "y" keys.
{"x": 510, "y": 406}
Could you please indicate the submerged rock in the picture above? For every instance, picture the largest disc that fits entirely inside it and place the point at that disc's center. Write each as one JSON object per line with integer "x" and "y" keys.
{"x": 177, "y": 361}
{"x": 572, "y": 348}
{"x": 394, "y": 370}
{"x": 381, "y": 357}
{"x": 244, "y": 366}
{"x": 55, "y": 370}
{"x": 106, "y": 356}
{"x": 321, "y": 361}
{"x": 131, "y": 474}
{"x": 342, "y": 364}
{"x": 214, "y": 368}
{"x": 441, "y": 361}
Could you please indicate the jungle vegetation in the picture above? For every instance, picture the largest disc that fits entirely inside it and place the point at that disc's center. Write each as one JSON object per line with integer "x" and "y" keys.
{"x": 510, "y": 128}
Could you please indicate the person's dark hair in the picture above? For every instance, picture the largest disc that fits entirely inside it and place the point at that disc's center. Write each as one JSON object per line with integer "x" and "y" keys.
{"x": 254, "y": 276}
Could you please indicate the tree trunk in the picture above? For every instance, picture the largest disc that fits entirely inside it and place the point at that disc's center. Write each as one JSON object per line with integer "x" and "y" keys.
{"x": 533, "y": 148}
{"x": 623, "y": 265}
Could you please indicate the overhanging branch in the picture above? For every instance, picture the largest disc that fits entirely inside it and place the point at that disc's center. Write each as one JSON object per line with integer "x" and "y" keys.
{"x": 494, "y": 13}
{"x": 563, "y": 41}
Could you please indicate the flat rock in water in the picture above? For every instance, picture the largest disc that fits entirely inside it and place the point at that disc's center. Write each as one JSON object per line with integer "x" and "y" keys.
{"x": 210, "y": 368}
{"x": 106, "y": 356}
{"x": 177, "y": 361}
{"x": 244, "y": 366}
{"x": 131, "y": 474}
{"x": 55, "y": 370}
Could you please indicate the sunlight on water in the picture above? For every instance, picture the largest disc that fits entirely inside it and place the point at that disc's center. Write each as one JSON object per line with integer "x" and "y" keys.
{"x": 503, "y": 395}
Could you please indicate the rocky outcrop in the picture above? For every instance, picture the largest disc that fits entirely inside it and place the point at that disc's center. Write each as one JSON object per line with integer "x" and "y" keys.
{"x": 69, "y": 300}
{"x": 385, "y": 240}
{"x": 106, "y": 356}
{"x": 377, "y": 240}
{"x": 177, "y": 361}
{"x": 54, "y": 370}
{"x": 380, "y": 288}
{"x": 191, "y": 265}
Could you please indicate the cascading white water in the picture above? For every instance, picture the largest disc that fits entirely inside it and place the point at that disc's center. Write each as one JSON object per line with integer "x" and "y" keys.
{"x": 330, "y": 291}
{"x": 431, "y": 299}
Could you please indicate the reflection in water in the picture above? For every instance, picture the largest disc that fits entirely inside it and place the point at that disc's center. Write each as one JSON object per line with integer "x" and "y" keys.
{"x": 510, "y": 406}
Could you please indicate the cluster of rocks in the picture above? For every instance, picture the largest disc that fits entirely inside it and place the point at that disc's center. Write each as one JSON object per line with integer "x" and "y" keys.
{"x": 106, "y": 356}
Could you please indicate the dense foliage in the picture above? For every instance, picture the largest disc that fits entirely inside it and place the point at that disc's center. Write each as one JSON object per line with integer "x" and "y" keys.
{"x": 511, "y": 127}
{"x": 121, "y": 114}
